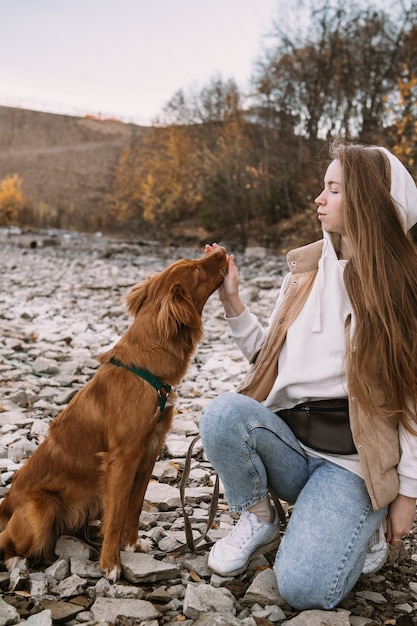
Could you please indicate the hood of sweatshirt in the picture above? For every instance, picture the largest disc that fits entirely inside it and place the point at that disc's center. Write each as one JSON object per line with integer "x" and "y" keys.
{"x": 403, "y": 190}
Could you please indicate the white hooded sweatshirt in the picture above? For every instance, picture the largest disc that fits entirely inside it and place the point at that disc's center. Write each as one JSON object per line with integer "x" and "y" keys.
{"x": 311, "y": 363}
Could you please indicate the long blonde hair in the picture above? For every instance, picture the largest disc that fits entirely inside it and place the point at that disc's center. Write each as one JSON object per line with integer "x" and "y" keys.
{"x": 381, "y": 280}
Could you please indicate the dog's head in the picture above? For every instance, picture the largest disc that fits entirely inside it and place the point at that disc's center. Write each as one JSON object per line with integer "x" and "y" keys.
{"x": 177, "y": 295}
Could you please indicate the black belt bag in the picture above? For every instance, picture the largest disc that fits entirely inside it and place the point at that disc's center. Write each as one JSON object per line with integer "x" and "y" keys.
{"x": 322, "y": 425}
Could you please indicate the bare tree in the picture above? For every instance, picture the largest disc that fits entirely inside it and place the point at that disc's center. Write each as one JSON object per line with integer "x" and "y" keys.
{"x": 339, "y": 77}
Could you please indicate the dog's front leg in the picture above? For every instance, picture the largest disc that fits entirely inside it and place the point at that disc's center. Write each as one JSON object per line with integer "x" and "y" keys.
{"x": 151, "y": 450}
{"x": 134, "y": 509}
{"x": 120, "y": 468}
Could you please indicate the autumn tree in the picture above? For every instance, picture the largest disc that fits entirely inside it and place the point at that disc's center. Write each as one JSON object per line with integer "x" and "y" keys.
{"x": 337, "y": 78}
{"x": 218, "y": 101}
{"x": 157, "y": 181}
{"x": 402, "y": 105}
{"x": 12, "y": 199}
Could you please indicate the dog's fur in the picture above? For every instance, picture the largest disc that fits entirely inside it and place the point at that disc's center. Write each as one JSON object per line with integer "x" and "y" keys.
{"x": 97, "y": 458}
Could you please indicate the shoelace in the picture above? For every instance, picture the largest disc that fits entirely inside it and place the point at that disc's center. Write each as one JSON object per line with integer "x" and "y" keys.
{"x": 244, "y": 529}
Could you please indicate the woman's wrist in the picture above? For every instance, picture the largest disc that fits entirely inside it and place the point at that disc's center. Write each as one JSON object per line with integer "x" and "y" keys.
{"x": 233, "y": 308}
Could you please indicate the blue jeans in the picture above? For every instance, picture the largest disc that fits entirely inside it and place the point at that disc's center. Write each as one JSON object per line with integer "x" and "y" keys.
{"x": 323, "y": 550}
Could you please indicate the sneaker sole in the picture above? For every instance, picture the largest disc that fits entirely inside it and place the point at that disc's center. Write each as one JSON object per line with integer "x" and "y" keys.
{"x": 267, "y": 547}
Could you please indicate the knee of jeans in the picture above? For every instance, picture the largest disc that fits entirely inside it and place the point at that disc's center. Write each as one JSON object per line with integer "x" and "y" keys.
{"x": 302, "y": 594}
{"x": 216, "y": 425}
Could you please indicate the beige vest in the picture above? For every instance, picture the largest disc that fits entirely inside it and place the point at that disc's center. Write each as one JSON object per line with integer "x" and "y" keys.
{"x": 376, "y": 438}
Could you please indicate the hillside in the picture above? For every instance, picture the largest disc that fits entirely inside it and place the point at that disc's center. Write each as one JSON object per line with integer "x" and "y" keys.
{"x": 64, "y": 161}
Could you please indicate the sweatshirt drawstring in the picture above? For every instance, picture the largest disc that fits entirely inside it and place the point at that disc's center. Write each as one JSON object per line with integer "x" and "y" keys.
{"x": 319, "y": 288}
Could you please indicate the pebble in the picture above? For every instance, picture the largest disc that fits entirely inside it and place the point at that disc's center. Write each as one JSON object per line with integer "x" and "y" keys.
{"x": 60, "y": 306}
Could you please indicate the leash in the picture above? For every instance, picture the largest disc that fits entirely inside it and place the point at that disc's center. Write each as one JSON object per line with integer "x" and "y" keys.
{"x": 162, "y": 388}
{"x": 191, "y": 543}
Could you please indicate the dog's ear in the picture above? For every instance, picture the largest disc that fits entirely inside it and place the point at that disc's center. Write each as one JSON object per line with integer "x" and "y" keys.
{"x": 137, "y": 296}
{"x": 177, "y": 309}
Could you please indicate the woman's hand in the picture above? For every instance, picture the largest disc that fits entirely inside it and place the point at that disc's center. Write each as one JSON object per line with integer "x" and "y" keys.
{"x": 401, "y": 516}
{"x": 229, "y": 289}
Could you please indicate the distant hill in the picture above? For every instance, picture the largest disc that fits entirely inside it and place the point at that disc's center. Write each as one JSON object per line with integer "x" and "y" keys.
{"x": 64, "y": 161}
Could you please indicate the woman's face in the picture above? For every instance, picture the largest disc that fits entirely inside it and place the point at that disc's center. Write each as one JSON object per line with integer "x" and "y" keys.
{"x": 330, "y": 201}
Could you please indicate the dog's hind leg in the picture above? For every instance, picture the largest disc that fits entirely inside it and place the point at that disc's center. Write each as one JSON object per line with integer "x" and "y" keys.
{"x": 8, "y": 551}
{"x": 29, "y": 533}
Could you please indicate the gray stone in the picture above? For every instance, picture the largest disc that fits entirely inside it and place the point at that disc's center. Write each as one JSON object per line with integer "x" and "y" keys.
{"x": 20, "y": 398}
{"x": 196, "y": 494}
{"x": 39, "y": 428}
{"x": 316, "y": 617}
{"x": 21, "y": 449}
{"x": 198, "y": 564}
{"x": 127, "y": 591}
{"x": 85, "y": 616}
{"x": 85, "y": 568}
{"x": 68, "y": 547}
{"x": 165, "y": 470}
{"x": 356, "y": 620}
{"x": 140, "y": 567}
{"x": 274, "y": 613}
{"x": 177, "y": 445}
{"x": 201, "y": 599}
{"x": 39, "y": 584}
{"x": 45, "y": 366}
{"x": 373, "y": 596}
{"x": 59, "y": 569}
{"x": 14, "y": 417}
{"x": 217, "y": 619}
{"x": 108, "y": 609}
{"x": 263, "y": 590}
{"x": 19, "y": 576}
{"x": 4, "y": 580}
{"x": 104, "y": 589}
{"x": 413, "y": 588}
{"x": 44, "y": 618}
{"x": 69, "y": 587}
{"x": 405, "y": 608}
{"x": 168, "y": 544}
{"x": 162, "y": 495}
{"x": 8, "y": 614}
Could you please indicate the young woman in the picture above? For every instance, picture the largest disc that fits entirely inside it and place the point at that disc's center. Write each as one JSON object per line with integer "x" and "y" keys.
{"x": 326, "y": 417}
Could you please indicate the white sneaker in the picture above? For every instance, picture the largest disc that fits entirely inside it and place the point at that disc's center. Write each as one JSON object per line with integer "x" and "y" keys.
{"x": 377, "y": 553}
{"x": 250, "y": 537}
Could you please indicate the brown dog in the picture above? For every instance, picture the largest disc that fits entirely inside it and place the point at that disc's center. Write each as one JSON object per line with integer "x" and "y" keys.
{"x": 97, "y": 459}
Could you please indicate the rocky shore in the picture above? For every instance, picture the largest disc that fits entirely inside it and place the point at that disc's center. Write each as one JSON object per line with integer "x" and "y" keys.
{"x": 60, "y": 306}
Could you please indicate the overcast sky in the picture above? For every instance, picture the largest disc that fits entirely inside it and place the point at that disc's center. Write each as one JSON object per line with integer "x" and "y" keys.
{"x": 125, "y": 58}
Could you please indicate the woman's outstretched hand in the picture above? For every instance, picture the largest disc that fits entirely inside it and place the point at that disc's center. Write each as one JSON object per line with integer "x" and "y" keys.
{"x": 401, "y": 515}
{"x": 229, "y": 289}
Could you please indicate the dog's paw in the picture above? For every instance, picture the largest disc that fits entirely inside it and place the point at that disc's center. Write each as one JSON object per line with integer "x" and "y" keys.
{"x": 12, "y": 562}
{"x": 113, "y": 575}
{"x": 142, "y": 545}
{"x": 111, "y": 567}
